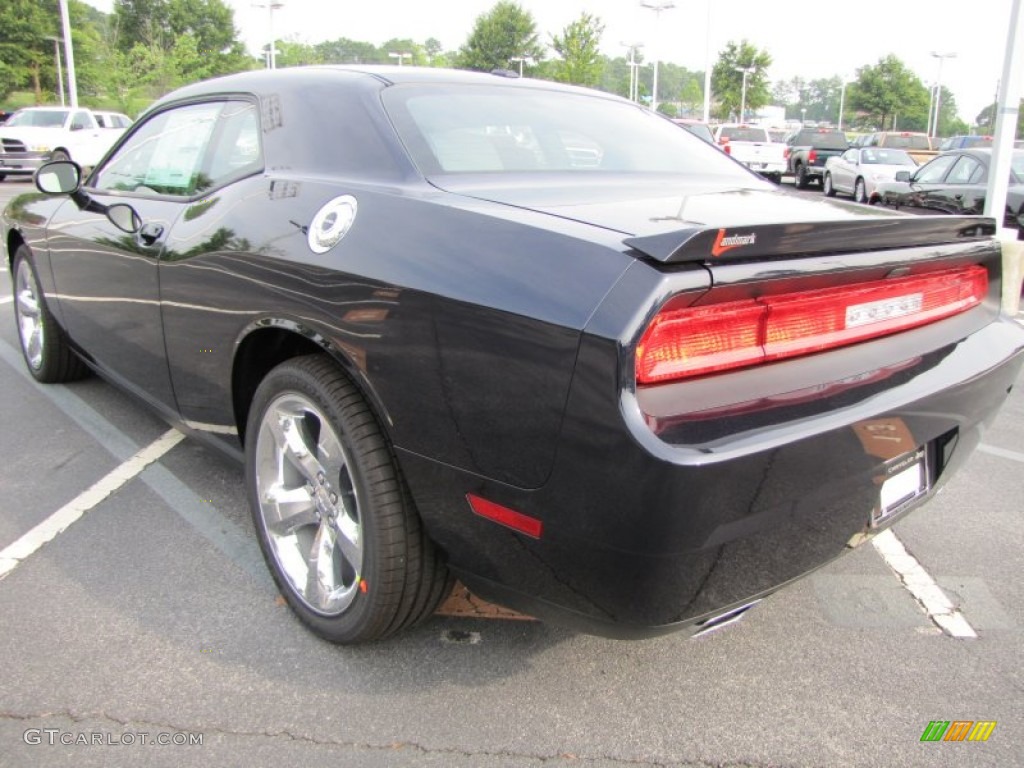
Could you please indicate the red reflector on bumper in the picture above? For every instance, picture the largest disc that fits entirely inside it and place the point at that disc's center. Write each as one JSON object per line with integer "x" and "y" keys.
{"x": 695, "y": 341}
{"x": 517, "y": 521}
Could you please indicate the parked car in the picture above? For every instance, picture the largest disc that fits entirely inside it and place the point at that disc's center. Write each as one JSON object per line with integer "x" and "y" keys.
{"x": 35, "y": 135}
{"x": 858, "y": 172}
{"x": 919, "y": 146}
{"x": 965, "y": 142}
{"x": 698, "y": 128}
{"x": 628, "y": 397}
{"x": 955, "y": 182}
{"x": 807, "y": 151}
{"x": 752, "y": 146}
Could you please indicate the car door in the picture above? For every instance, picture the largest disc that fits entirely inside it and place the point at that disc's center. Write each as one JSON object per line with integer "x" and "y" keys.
{"x": 928, "y": 178}
{"x": 962, "y": 190}
{"x": 107, "y": 279}
{"x": 844, "y": 170}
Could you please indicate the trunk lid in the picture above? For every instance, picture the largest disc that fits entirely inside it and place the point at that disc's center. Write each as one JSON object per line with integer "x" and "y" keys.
{"x": 684, "y": 220}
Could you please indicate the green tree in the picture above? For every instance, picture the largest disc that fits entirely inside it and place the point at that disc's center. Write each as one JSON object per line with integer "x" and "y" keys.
{"x": 24, "y": 49}
{"x": 889, "y": 90}
{"x": 404, "y": 45}
{"x": 345, "y": 51}
{"x": 500, "y": 35}
{"x": 293, "y": 54}
{"x": 580, "y": 60}
{"x": 727, "y": 81}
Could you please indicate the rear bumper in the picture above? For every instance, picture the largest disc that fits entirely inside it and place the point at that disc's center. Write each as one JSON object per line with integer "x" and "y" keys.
{"x": 645, "y": 533}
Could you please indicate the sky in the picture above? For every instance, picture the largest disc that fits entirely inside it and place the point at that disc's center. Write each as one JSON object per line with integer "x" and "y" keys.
{"x": 809, "y": 39}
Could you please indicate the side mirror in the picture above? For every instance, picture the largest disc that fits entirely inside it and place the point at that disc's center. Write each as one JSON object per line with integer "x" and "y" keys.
{"x": 59, "y": 178}
{"x": 902, "y": 175}
{"x": 124, "y": 217}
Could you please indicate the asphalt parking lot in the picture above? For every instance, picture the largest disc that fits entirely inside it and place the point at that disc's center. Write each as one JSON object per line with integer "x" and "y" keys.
{"x": 153, "y": 618}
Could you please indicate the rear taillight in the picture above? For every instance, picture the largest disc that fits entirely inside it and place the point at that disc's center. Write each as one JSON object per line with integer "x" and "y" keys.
{"x": 695, "y": 341}
{"x": 785, "y": 153}
{"x": 812, "y": 156}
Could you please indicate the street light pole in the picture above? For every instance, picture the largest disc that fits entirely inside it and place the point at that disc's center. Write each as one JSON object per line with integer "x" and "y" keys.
{"x": 938, "y": 90}
{"x": 60, "y": 70}
{"x": 743, "y": 98}
{"x": 657, "y": 6}
{"x": 634, "y": 70}
{"x": 400, "y": 56}
{"x": 271, "y": 6}
{"x": 69, "y": 52}
{"x": 707, "y": 67}
{"x": 842, "y": 103}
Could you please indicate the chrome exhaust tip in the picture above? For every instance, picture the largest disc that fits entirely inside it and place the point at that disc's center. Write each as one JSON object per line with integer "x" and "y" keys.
{"x": 723, "y": 619}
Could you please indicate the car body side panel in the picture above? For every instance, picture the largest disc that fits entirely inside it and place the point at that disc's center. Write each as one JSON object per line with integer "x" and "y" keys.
{"x": 462, "y": 327}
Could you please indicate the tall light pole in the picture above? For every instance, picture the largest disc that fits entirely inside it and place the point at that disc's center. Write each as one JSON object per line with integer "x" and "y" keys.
{"x": 657, "y": 6}
{"x": 69, "y": 52}
{"x": 634, "y": 76}
{"x": 400, "y": 55}
{"x": 743, "y": 98}
{"x": 271, "y": 6}
{"x": 842, "y": 104}
{"x": 938, "y": 90}
{"x": 60, "y": 69}
{"x": 707, "y": 67}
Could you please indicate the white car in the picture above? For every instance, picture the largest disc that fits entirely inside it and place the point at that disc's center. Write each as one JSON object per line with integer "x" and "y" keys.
{"x": 36, "y": 135}
{"x": 752, "y": 146}
{"x": 859, "y": 171}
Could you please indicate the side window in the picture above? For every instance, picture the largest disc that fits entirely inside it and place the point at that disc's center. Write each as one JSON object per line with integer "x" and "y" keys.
{"x": 80, "y": 122}
{"x": 935, "y": 170}
{"x": 963, "y": 170}
{"x": 164, "y": 156}
{"x": 236, "y": 144}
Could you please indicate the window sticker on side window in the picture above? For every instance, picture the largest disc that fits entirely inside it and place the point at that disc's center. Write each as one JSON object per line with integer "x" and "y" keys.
{"x": 174, "y": 165}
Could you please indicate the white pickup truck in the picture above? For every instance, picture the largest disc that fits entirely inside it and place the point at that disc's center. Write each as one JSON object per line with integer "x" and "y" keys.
{"x": 753, "y": 146}
{"x": 36, "y": 135}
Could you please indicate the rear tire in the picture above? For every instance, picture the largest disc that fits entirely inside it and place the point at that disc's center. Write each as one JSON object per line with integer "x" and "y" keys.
{"x": 803, "y": 181}
{"x": 44, "y": 345}
{"x": 826, "y": 186}
{"x": 334, "y": 519}
{"x": 59, "y": 154}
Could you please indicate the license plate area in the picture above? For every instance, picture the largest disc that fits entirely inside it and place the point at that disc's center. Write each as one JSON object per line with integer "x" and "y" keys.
{"x": 906, "y": 479}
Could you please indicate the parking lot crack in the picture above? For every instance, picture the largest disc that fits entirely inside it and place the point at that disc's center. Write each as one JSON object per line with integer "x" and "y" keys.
{"x": 123, "y": 722}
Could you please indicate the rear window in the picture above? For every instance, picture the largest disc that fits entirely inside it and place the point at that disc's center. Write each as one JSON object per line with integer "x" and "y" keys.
{"x": 743, "y": 133}
{"x": 38, "y": 118}
{"x": 907, "y": 142}
{"x": 821, "y": 139}
{"x": 514, "y": 129}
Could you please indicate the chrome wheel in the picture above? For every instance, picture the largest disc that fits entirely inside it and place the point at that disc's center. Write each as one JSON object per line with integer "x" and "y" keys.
{"x": 859, "y": 193}
{"x": 29, "y": 313}
{"x": 309, "y": 505}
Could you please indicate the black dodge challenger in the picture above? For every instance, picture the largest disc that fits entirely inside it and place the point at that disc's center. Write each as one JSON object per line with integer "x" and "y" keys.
{"x": 528, "y": 335}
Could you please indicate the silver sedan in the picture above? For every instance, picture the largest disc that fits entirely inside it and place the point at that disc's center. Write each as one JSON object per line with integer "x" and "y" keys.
{"x": 858, "y": 171}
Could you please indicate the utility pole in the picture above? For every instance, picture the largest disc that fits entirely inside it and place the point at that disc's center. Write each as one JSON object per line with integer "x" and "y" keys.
{"x": 657, "y": 6}
{"x": 69, "y": 52}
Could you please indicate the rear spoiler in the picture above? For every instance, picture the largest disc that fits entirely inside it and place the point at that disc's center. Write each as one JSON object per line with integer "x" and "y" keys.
{"x": 703, "y": 244}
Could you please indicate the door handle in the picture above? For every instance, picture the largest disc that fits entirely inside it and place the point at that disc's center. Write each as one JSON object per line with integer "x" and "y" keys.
{"x": 150, "y": 233}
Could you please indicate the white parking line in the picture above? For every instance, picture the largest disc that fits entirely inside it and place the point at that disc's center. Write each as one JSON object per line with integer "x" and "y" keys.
{"x": 1004, "y": 453}
{"x": 6, "y": 299}
{"x": 922, "y": 586}
{"x": 15, "y": 554}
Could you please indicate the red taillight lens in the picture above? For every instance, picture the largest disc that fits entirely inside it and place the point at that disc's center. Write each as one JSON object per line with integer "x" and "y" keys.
{"x": 694, "y": 341}
{"x": 786, "y": 153}
{"x": 812, "y": 156}
{"x": 727, "y": 148}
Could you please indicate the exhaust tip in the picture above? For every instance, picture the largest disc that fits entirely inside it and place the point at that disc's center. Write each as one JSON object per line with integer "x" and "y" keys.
{"x": 724, "y": 619}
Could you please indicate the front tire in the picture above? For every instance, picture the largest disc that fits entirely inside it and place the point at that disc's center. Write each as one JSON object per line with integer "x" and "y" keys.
{"x": 826, "y": 186}
{"x": 335, "y": 522}
{"x": 44, "y": 345}
{"x": 59, "y": 154}
{"x": 860, "y": 194}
